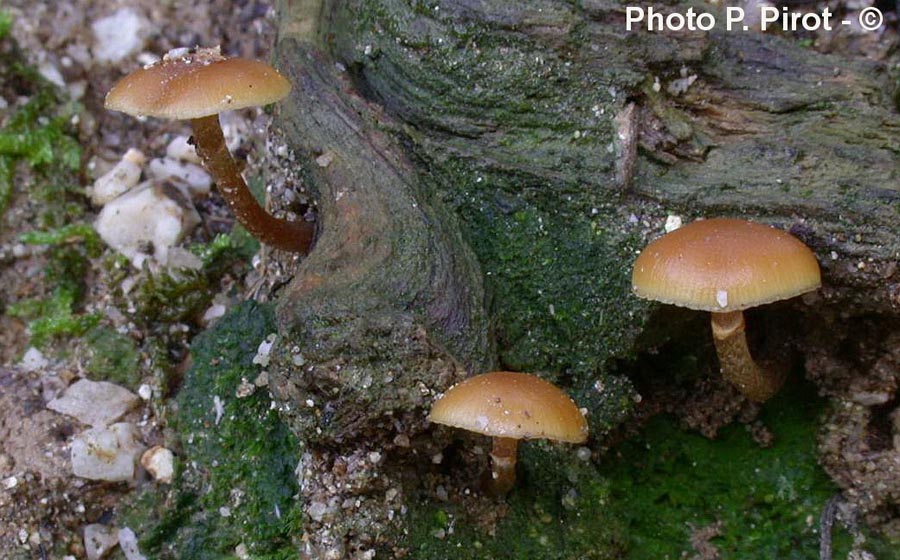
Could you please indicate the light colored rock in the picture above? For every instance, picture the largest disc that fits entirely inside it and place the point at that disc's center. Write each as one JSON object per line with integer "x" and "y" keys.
{"x": 120, "y": 179}
{"x": 95, "y": 403}
{"x": 180, "y": 148}
{"x": 146, "y": 222}
{"x": 33, "y": 360}
{"x": 195, "y": 177}
{"x": 99, "y": 540}
{"x": 107, "y": 453}
{"x": 160, "y": 463}
{"x": 213, "y": 313}
{"x": 145, "y": 391}
{"x": 264, "y": 350}
{"x": 119, "y": 35}
{"x": 128, "y": 541}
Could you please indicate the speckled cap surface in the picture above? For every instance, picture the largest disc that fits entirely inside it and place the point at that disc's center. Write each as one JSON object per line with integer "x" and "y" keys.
{"x": 511, "y": 405}
{"x": 725, "y": 265}
{"x": 188, "y": 85}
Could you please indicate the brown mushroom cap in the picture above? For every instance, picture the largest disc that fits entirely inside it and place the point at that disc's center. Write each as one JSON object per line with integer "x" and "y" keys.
{"x": 198, "y": 84}
{"x": 724, "y": 265}
{"x": 511, "y": 405}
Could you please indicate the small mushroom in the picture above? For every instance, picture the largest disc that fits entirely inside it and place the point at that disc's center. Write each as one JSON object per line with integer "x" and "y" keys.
{"x": 508, "y": 407}
{"x": 725, "y": 266}
{"x": 198, "y": 85}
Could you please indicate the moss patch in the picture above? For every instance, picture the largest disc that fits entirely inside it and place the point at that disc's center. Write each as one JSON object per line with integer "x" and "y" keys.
{"x": 242, "y": 459}
{"x": 668, "y": 483}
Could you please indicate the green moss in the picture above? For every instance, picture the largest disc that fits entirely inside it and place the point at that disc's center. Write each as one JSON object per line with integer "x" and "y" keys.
{"x": 112, "y": 357}
{"x": 515, "y": 138}
{"x": 5, "y": 24}
{"x": 557, "y": 511}
{"x": 668, "y": 482}
{"x": 53, "y": 316}
{"x": 40, "y": 134}
{"x": 243, "y": 460}
{"x": 184, "y": 294}
{"x": 71, "y": 246}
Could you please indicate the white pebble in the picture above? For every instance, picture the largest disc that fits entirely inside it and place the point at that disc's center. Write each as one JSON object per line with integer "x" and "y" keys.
{"x": 128, "y": 542}
{"x": 95, "y": 403}
{"x": 195, "y": 177}
{"x": 181, "y": 149}
{"x": 119, "y": 35}
{"x": 107, "y": 453}
{"x": 160, "y": 463}
{"x": 146, "y": 222}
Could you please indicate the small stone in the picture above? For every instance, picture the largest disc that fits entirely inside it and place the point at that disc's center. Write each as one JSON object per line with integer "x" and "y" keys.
{"x": 119, "y": 35}
{"x": 195, "y": 177}
{"x": 95, "y": 403}
{"x": 214, "y": 312}
{"x": 181, "y": 149}
{"x": 120, "y": 179}
{"x": 262, "y": 353}
{"x": 147, "y": 221}
{"x": 583, "y": 453}
{"x": 128, "y": 542}
{"x": 107, "y": 453}
{"x": 99, "y": 540}
{"x": 160, "y": 463}
{"x": 33, "y": 360}
{"x": 673, "y": 222}
{"x": 325, "y": 159}
{"x": 317, "y": 510}
{"x": 262, "y": 379}
{"x": 245, "y": 389}
{"x": 145, "y": 391}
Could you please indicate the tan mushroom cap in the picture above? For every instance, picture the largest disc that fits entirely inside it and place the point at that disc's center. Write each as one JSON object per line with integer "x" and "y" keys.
{"x": 199, "y": 84}
{"x": 725, "y": 265}
{"x": 511, "y": 405}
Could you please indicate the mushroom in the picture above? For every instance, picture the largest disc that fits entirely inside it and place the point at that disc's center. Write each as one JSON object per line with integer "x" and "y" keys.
{"x": 725, "y": 266}
{"x": 508, "y": 407}
{"x": 198, "y": 85}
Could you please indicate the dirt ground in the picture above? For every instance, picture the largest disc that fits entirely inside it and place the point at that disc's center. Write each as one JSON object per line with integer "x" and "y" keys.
{"x": 43, "y": 507}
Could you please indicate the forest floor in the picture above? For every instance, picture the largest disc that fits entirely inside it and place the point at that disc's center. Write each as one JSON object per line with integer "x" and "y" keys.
{"x": 85, "y": 311}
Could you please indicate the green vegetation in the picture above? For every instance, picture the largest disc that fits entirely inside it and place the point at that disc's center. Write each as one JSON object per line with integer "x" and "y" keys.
{"x": 242, "y": 459}
{"x": 557, "y": 511}
{"x": 667, "y": 483}
{"x": 39, "y": 133}
{"x": 652, "y": 493}
{"x": 112, "y": 356}
{"x": 70, "y": 248}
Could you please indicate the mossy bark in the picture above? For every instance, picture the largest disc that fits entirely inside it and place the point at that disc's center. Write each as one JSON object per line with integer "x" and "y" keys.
{"x": 494, "y": 125}
{"x": 488, "y": 170}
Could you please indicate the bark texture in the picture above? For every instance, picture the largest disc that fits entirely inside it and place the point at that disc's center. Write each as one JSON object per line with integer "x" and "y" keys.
{"x": 489, "y": 169}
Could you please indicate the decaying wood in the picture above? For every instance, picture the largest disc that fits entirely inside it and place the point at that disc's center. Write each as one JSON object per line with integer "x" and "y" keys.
{"x": 414, "y": 107}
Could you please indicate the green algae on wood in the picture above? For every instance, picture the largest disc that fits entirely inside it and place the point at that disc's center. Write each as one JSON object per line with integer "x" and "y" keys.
{"x": 766, "y": 502}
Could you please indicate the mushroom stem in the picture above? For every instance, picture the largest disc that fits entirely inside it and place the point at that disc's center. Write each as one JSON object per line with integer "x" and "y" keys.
{"x": 280, "y": 234}
{"x": 738, "y": 367}
{"x": 503, "y": 465}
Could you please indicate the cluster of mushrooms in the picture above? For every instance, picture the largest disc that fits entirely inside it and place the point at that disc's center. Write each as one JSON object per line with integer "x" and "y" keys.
{"x": 723, "y": 266}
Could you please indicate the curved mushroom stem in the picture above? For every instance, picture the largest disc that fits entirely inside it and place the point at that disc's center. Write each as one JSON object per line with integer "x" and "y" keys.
{"x": 738, "y": 366}
{"x": 503, "y": 465}
{"x": 281, "y": 234}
